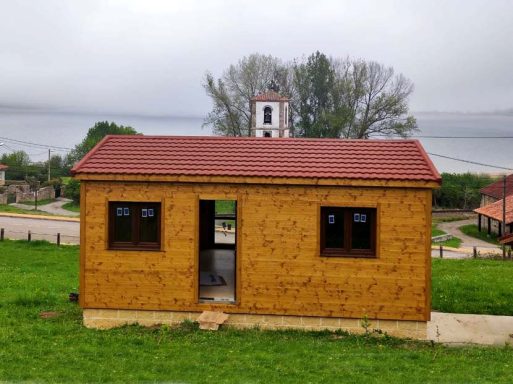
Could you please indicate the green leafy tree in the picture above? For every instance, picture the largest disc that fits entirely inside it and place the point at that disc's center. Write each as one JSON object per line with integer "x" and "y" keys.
{"x": 318, "y": 98}
{"x": 350, "y": 99}
{"x": 19, "y": 165}
{"x": 72, "y": 190}
{"x": 58, "y": 167}
{"x": 95, "y": 135}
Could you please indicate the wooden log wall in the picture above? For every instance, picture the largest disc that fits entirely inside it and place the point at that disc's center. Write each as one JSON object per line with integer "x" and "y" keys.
{"x": 279, "y": 269}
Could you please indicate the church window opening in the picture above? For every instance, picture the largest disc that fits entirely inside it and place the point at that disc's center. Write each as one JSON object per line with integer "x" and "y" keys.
{"x": 267, "y": 115}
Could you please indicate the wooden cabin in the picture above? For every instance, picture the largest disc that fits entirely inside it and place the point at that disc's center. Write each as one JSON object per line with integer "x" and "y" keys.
{"x": 307, "y": 233}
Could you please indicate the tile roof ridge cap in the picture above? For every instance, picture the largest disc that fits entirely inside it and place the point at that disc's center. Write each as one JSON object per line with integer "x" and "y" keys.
{"x": 76, "y": 167}
{"x": 266, "y": 139}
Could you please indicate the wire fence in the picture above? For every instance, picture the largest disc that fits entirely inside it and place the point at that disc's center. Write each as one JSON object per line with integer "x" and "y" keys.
{"x": 56, "y": 237}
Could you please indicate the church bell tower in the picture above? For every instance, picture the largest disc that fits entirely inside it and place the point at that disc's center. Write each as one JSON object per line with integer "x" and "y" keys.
{"x": 270, "y": 115}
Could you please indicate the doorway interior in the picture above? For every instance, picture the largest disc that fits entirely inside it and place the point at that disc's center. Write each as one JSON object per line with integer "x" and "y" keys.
{"x": 217, "y": 250}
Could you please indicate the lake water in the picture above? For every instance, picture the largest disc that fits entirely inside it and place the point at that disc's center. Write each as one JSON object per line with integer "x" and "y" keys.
{"x": 66, "y": 130}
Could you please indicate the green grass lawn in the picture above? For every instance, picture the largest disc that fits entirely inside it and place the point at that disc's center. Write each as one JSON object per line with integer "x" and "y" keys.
{"x": 435, "y": 231}
{"x": 225, "y": 206}
{"x": 71, "y": 206}
{"x": 39, "y": 202}
{"x": 455, "y": 242}
{"x": 11, "y": 209}
{"x": 473, "y": 286}
{"x": 37, "y": 277}
{"x": 473, "y": 231}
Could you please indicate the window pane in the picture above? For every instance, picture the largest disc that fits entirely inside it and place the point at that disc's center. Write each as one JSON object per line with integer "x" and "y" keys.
{"x": 333, "y": 227}
{"x": 361, "y": 229}
{"x": 122, "y": 216}
{"x": 148, "y": 228}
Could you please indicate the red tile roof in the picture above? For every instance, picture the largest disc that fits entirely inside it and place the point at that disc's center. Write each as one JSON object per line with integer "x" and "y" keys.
{"x": 495, "y": 190}
{"x": 263, "y": 157}
{"x": 494, "y": 210}
{"x": 269, "y": 96}
{"x": 3, "y": 167}
{"x": 506, "y": 239}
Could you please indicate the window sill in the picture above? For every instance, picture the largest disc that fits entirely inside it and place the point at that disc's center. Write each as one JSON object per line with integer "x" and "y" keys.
{"x": 134, "y": 248}
{"x": 354, "y": 255}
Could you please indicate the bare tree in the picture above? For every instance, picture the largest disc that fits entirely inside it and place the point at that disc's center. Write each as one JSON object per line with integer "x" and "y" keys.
{"x": 329, "y": 97}
{"x": 377, "y": 100}
{"x": 231, "y": 93}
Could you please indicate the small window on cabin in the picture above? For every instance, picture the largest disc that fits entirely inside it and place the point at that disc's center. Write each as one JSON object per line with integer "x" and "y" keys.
{"x": 348, "y": 232}
{"x": 134, "y": 225}
{"x": 268, "y": 113}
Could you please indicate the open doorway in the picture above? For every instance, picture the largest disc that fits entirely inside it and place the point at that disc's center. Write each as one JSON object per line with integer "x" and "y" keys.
{"x": 217, "y": 250}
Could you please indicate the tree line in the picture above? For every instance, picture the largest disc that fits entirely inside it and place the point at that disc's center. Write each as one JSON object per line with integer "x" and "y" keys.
{"x": 461, "y": 190}
{"x": 21, "y": 167}
{"x": 329, "y": 97}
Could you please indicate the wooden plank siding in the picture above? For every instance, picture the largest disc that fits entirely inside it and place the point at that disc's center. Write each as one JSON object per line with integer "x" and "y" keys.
{"x": 279, "y": 269}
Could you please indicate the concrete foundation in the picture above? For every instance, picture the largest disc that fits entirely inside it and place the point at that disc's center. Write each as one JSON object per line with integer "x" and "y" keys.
{"x": 111, "y": 318}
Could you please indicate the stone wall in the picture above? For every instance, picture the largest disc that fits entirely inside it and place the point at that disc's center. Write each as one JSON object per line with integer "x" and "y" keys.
{"x": 43, "y": 194}
{"x": 111, "y": 318}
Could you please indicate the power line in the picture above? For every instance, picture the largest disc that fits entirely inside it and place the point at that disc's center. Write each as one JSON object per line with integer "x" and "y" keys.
{"x": 449, "y": 137}
{"x": 31, "y": 144}
{"x": 471, "y": 162}
{"x": 462, "y": 137}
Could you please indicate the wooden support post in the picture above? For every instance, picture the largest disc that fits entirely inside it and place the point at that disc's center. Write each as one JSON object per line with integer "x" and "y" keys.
{"x": 441, "y": 251}
{"x": 475, "y": 252}
{"x": 2, "y": 232}
{"x": 58, "y": 239}
{"x": 29, "y": 236}
{"x": 479, "y": 222}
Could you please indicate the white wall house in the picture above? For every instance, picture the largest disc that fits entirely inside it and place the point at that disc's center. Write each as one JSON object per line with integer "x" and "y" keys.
{"x": 270, "y": 115}
{"x": 2, "y": 174}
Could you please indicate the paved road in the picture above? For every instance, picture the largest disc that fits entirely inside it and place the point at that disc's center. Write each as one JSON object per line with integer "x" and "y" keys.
{"x": 54, "y": 208}
{"x": 17, "y": 228}
{"x": 466, "y": 241}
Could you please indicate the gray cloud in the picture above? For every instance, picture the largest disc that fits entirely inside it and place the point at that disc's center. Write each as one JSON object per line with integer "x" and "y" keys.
{"x": 149, "y": 57}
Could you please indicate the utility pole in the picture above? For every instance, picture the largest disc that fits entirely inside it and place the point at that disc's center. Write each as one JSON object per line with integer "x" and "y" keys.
{"x": 48, "y": 164}
{"x": 504, "y": 214}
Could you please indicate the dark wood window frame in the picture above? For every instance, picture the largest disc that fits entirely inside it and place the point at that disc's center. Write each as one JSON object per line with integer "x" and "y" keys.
{"x": 136, "y": 209}
{"x": 347, "y": 250}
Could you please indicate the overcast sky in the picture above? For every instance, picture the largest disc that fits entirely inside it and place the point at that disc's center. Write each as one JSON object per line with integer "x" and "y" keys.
{"x": 149, "y": 57}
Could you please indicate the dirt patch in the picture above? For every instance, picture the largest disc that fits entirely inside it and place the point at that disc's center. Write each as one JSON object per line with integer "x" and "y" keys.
{"x": 49, "y": 314}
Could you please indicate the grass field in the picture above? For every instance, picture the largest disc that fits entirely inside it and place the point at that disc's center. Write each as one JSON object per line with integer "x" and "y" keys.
{"x": 473, "y": 231}
{"x": 11, "y": 209}
{"x": 455, "y": 242}
{"x": 71, "y": 206}
{"x": 473, "y": 286}
{"x": 37, "y": 277}
{"x": 39, "y": 202}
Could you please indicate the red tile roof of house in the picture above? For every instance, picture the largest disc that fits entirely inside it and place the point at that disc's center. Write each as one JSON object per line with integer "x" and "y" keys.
{"x": 506, "y": 239}
{"x": 3, "y": 167}
{"x": 262, "y": 157}
{"x": 495, "y": 190}
{"x": 269, "y": 96}
{"x": 494, "y": 210}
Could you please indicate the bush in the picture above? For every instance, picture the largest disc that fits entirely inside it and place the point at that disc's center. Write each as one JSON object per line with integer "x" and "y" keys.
{"x": 73, "y": 190}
